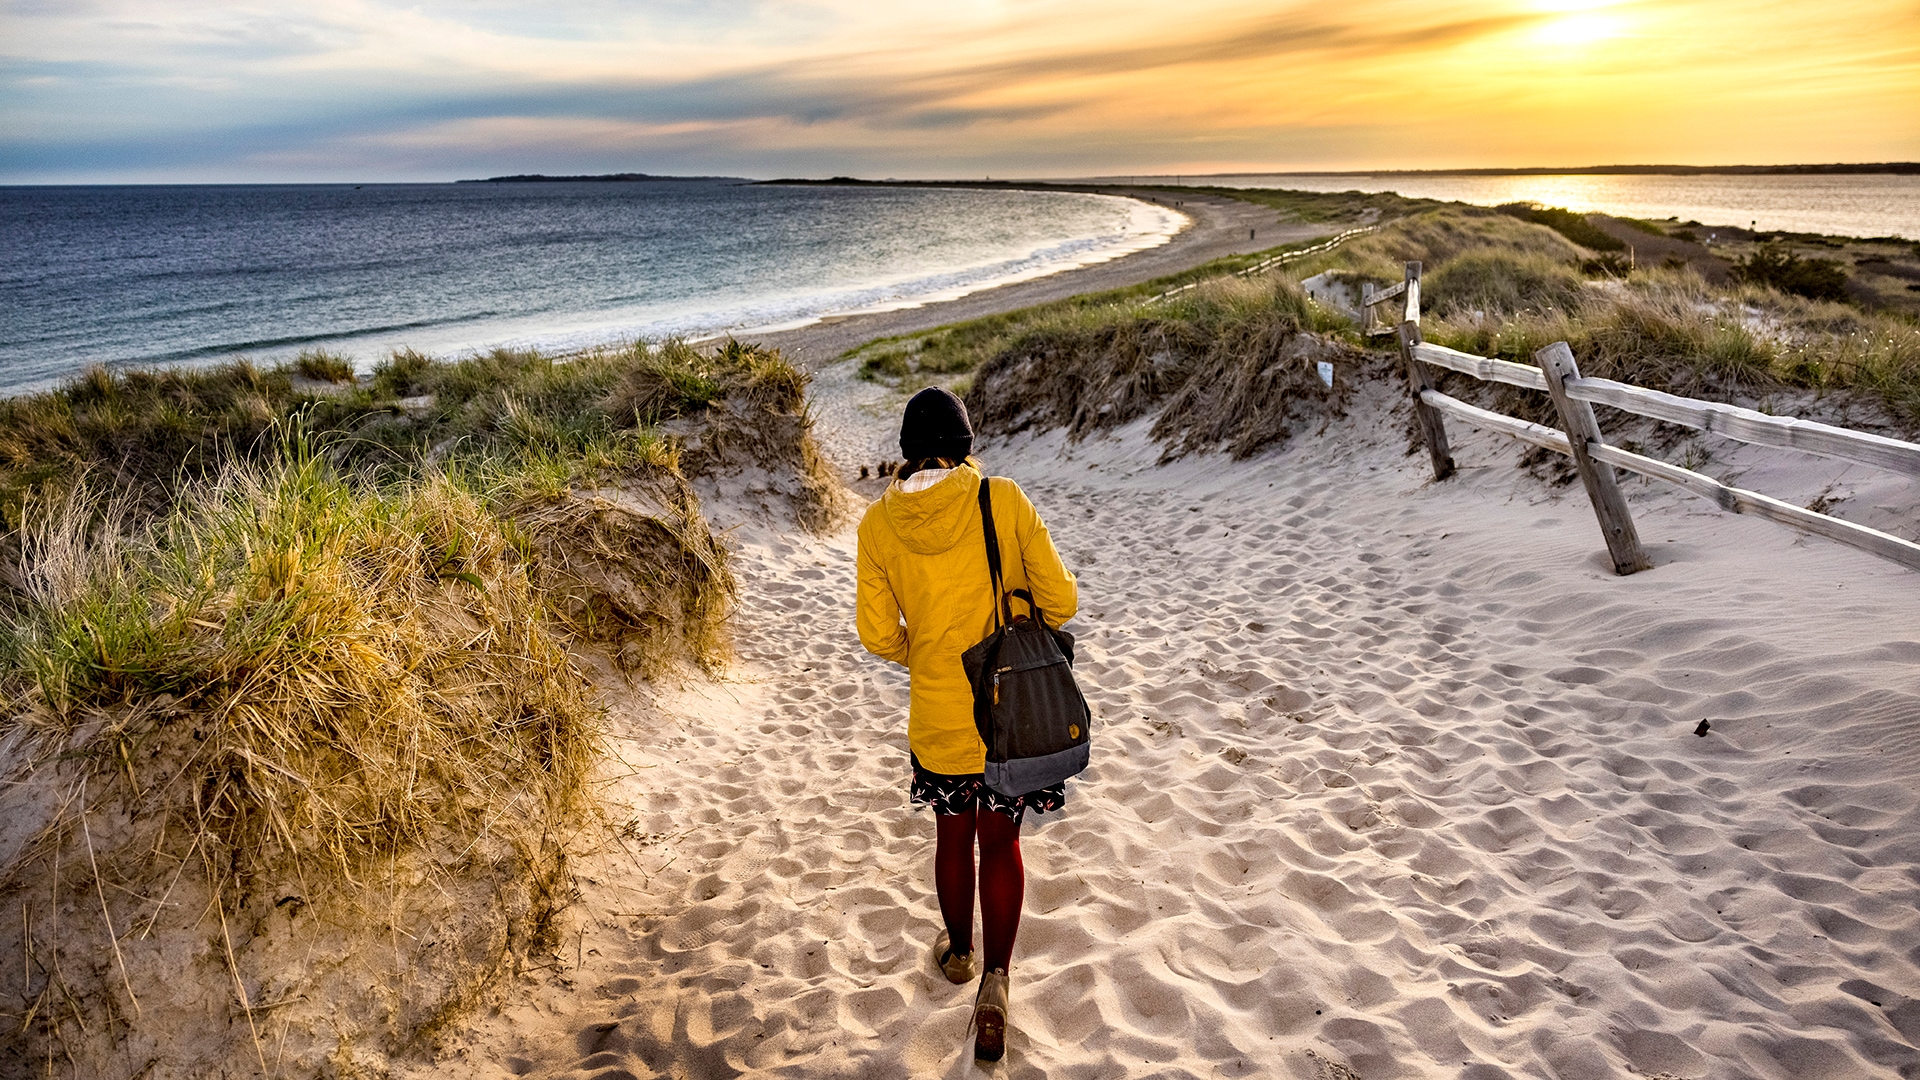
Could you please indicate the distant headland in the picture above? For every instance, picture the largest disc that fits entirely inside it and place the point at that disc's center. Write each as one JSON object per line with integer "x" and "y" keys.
{"x": 602, "y": 178}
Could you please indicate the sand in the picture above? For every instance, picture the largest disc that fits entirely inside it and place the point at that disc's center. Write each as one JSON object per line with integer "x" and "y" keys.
{"x": 1391, "y": 779}
{"x": 1217, "y": 226}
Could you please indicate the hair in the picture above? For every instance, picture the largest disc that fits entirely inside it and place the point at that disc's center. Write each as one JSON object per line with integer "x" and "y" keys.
{"x": 908, "y": 468}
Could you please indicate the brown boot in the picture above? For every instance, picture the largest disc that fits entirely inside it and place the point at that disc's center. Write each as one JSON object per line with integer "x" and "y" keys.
{"x": 990, "y": 1017}
{"x": 957, "y": 967}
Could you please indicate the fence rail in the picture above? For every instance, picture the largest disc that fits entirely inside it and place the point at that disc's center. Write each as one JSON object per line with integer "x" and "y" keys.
{"x": 1579, "y": 436}
{"x": 1272, "y": 261}
{"x": 1408, "y": 289}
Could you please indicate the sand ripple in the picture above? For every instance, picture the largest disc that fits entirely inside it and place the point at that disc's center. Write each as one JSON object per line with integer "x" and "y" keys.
{"x": 1392, "y": 779}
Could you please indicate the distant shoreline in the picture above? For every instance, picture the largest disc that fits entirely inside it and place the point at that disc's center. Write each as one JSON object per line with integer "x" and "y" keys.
{"x": 1884, "y": 168}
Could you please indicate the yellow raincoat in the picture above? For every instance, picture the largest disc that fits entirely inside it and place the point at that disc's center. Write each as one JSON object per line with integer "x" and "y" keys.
{"x": 923, "y": 557}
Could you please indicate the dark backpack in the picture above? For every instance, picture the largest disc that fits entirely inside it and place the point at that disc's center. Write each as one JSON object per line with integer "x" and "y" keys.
{"x": 1028, "y": 709}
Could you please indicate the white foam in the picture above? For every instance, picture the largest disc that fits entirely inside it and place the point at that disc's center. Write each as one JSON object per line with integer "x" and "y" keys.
{"x": 1144, "y": 225}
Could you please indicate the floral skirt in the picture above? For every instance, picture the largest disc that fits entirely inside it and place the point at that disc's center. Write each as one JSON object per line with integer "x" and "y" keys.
{"x": 949, "y": 794}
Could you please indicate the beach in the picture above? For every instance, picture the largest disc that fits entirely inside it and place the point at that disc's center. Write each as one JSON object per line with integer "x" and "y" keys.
{"x": 1218, "y": 226}
{"x": 1392, "y": 778}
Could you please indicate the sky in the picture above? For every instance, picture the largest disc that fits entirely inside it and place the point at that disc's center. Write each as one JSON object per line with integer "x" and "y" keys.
{"x": 382, "y": 90}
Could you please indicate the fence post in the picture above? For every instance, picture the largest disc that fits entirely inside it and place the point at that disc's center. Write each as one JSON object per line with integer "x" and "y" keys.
{"x": 1413, "y": 293}
{"x": 1433, "y": 429}
{"x": 1576, "y": 418}
{"x": 1366, "y": 308}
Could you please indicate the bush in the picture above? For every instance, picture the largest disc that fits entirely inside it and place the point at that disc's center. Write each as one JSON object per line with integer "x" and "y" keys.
{"x": 1574, "y": 227}
{"x": 1776, "y": 267}
{"x": 1609, "y": 264}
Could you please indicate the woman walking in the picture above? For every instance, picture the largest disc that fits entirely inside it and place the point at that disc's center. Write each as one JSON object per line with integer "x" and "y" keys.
{"x": 925, "y": 597}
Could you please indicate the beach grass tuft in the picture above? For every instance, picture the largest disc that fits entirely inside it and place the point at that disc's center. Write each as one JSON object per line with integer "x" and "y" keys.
{"x": 322, "y": 366}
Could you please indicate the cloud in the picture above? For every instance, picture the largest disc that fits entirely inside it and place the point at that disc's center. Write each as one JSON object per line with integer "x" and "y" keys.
{"x": 267, "y": 89}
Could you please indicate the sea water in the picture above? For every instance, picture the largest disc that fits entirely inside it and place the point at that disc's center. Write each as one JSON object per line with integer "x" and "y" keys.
{"x": 157, "y": 275}
{"x": 1880, "y": 204}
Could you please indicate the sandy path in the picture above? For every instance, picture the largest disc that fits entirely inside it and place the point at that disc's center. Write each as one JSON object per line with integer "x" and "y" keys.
{"x": 1392, "y": 779}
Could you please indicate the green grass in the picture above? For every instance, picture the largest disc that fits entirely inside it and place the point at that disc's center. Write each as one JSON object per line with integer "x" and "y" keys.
{"x": 1574, "y": 227}
{"x": 303, "y": 643}
{"x": 1651, "y": 228}
{"x": 1329, "y": 208}
{"x": 153, "y": 434}
{"x": 1494, "y": 283}
{"x": 943, "y": 354}
{"x": 322, "y": 366}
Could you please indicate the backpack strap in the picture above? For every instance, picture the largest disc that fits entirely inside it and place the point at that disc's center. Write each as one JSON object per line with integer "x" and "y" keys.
{"x": 1002, "y": 599}
{"x": 1001, "y": 614}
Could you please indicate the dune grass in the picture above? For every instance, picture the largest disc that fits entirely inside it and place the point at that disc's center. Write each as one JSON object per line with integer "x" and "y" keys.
{"x": 1225, "y": 363}
{"x": 293, "y": 641}
{"x": 943, "y": 354}
{"x": 1495, "y": 282}
{"x": 1574, "y": 227}
{"x": 363, "y": 662}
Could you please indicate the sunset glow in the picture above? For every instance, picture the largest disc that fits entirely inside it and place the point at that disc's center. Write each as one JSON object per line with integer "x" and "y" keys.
{"x": 138, "y": 89}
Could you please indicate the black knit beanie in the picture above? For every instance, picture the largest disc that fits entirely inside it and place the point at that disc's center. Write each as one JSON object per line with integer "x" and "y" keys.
{"x": 935, "y": 426}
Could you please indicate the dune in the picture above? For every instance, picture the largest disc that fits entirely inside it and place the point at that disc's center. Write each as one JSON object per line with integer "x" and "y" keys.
{"x": 1391, "y": 779}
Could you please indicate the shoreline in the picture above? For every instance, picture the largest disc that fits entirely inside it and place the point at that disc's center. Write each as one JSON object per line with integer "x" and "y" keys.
{"x": 1219, "y": 226}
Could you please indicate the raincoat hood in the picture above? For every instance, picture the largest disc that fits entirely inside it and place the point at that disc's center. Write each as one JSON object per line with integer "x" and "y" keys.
{"x": 932, "y": 521}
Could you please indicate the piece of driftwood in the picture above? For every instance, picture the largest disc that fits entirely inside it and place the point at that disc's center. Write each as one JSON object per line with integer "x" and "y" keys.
{"x": 1749, "y": 426}
{"x": 1482, "y": 367}
{"x": 1433, "y": 429}
{"x": 1576, "y": 418}
{"x": 1538, "y": 434}
{"x": 1740, "y": 501}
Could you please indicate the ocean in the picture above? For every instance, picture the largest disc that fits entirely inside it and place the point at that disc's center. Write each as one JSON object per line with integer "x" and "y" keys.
{"x": 1839, "y": 205}
{"x": 158, "y": 275}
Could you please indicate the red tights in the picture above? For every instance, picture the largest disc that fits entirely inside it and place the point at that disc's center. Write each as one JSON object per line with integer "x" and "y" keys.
{"x": 1003, "y": 881}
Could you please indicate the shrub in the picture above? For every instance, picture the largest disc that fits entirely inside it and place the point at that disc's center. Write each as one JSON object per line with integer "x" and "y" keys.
{"x": 1609, "y": 264}
{"x": 1574, "y": 227}
{"x": 1776, "y": 267}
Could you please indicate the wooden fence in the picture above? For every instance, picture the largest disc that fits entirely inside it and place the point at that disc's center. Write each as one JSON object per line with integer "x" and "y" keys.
{"x": 1580, "y": 438}
{"x": 1271, "y": 261}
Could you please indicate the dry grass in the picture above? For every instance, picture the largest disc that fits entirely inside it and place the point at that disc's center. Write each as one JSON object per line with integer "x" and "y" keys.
{"x": 1231, "y": 363}
{"x": 322, "y": 366}
{"x": 1668, "y": 330}
{"x": 274, "y": 654}
{"x": 633, "y": 567}
{"x": 1210, "y": 361}
{"x": 280, "y": 689}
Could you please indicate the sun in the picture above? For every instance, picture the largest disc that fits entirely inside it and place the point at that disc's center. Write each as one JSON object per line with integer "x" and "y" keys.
{"x": 1579, "y": 29}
